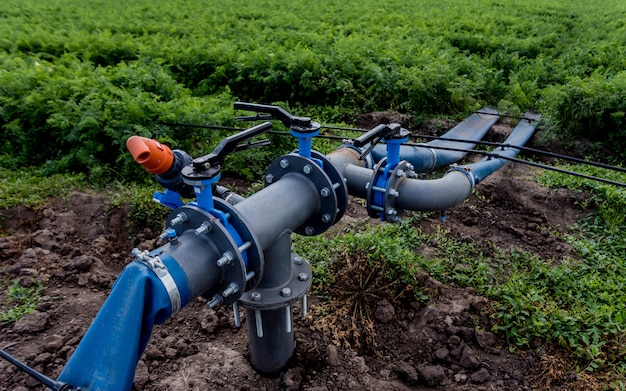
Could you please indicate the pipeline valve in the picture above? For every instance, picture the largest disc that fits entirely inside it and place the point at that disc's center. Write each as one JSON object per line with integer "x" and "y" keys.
{"x": 388, "y": 173}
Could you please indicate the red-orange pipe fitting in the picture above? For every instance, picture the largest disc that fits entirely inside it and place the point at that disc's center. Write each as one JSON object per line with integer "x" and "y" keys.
{"x": 156, "y": 158}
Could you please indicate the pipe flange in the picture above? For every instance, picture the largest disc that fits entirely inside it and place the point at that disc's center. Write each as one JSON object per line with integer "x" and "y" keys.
{"x": 254, "y": 252}
{"x": 399, "y": 173}
{"x": 233, "y": 273}
{"x": 375, "y": 187}
{"x": 339, "y": 184}
{"x": 283, "y": 295}
{"x": 465, "y": 170}
{"x": 307, "y": 168}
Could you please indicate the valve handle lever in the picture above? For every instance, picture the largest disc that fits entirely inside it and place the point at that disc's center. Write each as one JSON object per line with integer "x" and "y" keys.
{"x": 377, "y": 134}
{"x": 299, "y": 124}
{"x": 231, "y": 144}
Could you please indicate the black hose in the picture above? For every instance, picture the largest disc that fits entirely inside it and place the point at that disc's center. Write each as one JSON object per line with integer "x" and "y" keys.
{"x": 41, "y": 378}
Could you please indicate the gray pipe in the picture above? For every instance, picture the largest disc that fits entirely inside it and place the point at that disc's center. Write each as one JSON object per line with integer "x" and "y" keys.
{"x": 354, "y": 170}
{"x": 436, "y": 194}
{"x": 425, "y": 159}
{"x": 283, "y": 206}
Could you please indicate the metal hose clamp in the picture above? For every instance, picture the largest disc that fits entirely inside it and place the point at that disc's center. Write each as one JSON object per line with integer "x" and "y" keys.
{"x": 158, "y": 267}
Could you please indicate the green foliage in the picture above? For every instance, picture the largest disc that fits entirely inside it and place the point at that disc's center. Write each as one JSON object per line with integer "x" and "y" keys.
{"x": 19, "y": 301}
{"x": 143, "y": 211}
{"x": 31, "y": 188}
{"x": 76, "y": 78}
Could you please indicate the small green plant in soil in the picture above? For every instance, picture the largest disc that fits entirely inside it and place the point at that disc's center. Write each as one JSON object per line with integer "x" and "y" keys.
{"x": 18, "y": 300}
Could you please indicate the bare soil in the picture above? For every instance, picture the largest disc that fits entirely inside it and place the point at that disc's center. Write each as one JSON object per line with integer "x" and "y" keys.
{"x": 77, "y": 246}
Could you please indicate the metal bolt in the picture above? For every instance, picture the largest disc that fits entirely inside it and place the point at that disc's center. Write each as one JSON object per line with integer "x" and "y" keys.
{"x": 163, "y": 236}
{"x": 309, "y": 230}
{"x": 410, "y": 167}
{"x": 325, "y": 192}
{"x": 298, "y": 260}
{"x": 284, "y": 163}
{"x": 269, "y": 178}
{"x": 215, "y": 301}
{"x": 230, "y": 289}
{"x": 400, "y": 173}
{"x": 392, "y": 212}
{"x": 180, "y": 218}
{"x": 304, "y": 306}
{"x": 285, "y": 292}
{"x": 367, "y": 185}
{"x": 303, "y": 276}
{"x": 236, "y": 315}
{"x": 326, "y": 218}
{"x": 394, "y": 192}
{"x": 307, "y": 169}
{"x": 255, "y": 296}
{"x": 226, "y": 258}
{"x": 204, "y": 228}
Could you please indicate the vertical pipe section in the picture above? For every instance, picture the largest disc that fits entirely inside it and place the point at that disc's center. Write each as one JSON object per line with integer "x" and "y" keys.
{"x": 270, "y": 336}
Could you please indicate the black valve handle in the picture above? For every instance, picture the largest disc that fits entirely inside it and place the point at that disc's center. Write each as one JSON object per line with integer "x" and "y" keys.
{"x": 40, "y": 377}
{"x": 299, "y": 124}
{"x": 208, "y": 166}
{"x": 376, "y": 134}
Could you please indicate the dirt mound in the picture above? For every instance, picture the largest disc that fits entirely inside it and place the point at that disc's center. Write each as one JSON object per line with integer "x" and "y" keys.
{"x": 76, "y": 247}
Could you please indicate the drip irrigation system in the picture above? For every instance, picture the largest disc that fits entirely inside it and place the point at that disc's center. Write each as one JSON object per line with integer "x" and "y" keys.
{"x": 236, "y": 251}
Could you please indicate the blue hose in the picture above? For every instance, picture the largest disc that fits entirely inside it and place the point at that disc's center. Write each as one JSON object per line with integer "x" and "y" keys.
{"x": 107, "y": 355}
{"x": 519, "y": 136}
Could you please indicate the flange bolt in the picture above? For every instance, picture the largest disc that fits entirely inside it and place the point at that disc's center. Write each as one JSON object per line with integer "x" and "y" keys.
{"x": 226, "y": 258}
{"x": 303, "y": 276}
{"x": 179, "y": 219}
{"x": 284, "y": 163}
{"x": 204, "y": 228}
{"x": 285, "y": 292}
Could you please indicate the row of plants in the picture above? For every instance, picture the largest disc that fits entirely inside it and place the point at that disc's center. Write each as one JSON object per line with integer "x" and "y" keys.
{"x": 77, "y": 78}
{"x": 579, "y": 304}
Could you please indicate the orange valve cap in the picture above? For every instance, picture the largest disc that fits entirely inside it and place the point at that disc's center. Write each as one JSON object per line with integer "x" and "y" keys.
{"x": 155, "y": 157}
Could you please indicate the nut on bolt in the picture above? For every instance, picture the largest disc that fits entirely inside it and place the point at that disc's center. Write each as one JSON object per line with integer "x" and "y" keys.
{"x": 284, "y": 163}
{"x": 180, "y": 218}
{"x": 285, "y": 292}
{"x": 307, "y": 169}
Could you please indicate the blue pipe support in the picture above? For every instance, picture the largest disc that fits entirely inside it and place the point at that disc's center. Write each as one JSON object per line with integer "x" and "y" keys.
{"x": 305, "y": 142}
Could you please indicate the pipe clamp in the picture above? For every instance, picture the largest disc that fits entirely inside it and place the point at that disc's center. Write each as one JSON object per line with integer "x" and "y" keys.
{"x": 158, "y": 267}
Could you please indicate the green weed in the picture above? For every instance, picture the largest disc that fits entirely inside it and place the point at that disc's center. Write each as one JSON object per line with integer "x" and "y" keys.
{"x": 19, "y": 301}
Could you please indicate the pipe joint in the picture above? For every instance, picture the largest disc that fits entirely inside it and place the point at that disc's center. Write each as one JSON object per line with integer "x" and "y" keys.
{"x": 157, "y": 266}
{"x": 466, "y": 170}
{"x": 382, "y": 190}
{"x": 332, "y": 193}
